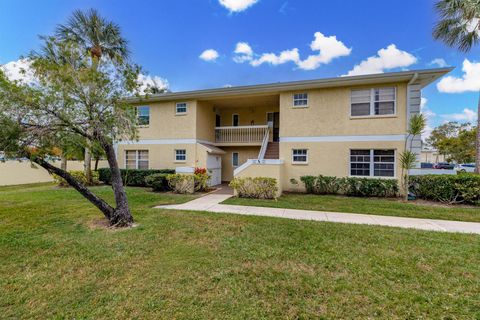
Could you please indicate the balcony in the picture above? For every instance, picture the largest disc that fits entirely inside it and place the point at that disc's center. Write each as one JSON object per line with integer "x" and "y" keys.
{"x": 240, "y": 135}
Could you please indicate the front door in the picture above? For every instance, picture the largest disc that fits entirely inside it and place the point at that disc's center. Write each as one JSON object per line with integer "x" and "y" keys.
{"x": 274, "y": 117}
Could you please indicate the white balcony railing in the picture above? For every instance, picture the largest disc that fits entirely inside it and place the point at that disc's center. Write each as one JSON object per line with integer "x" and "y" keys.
{"x": 240, "y": 134}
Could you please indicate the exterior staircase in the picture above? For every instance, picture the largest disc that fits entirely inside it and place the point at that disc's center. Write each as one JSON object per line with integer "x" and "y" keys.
{"x": 272, "y": 151}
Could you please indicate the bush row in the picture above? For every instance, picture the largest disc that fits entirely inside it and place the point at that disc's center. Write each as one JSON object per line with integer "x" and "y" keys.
{"x": 258, "y": 188}
{"x": 79, "y": 175}
{"x": 351, "y": 186}
{"x": 462, "y": 188}
{"x": 131, "y": 177}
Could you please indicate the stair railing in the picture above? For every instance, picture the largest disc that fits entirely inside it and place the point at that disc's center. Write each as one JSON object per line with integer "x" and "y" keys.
{"x": 263, "y": 149}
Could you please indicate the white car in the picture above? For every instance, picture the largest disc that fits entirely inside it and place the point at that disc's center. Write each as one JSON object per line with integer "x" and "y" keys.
{"x": 465, "y": 167}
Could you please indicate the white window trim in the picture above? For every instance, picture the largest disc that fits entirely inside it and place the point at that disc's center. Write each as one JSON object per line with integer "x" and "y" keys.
{"x": 300, "y": 162}
{"x": 372, "y": 105}
{"x": 144, "y": 125}
{"x": 181, "y": 113}
{"x": 233, "y": 115}
{"x": 238, "y": 158}
{"x": 136, "y": 158}
{"x": 299, "y": 106}
{"x": 372, "y": 166}
{"x": 175, "y": 156}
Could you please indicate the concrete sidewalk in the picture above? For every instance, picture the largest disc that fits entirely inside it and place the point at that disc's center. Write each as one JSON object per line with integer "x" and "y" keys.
{"x": 211, "y": 203}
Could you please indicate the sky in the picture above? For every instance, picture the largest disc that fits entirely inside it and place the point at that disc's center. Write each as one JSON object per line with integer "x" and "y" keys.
{"x": 198, "y": 44}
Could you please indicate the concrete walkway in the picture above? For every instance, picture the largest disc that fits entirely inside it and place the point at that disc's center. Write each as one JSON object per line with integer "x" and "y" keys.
{"x": 211, "y": 203}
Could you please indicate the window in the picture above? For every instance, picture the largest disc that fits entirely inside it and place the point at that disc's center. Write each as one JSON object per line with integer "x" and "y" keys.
{"x": 143, "y": 115}
{"x": 372, "y": 163}
{"x": 180, "y": 155}
{"x": 373, "y": 102}
{"x": 181, "y": 108}
{"x": 235, "y": 159}
{"x": 235, "y": 120}
{"x": 136, "y": 159}
{"x": 299, "y": 156}
{"x": 300, "y": 99}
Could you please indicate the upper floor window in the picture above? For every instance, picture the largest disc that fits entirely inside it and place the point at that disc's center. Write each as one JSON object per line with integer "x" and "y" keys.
{"x": 143, "y": 115}
{"x": 181, "y": 108}
{"x": 299, "y": 156}
{"x": 373, "y": 102}
{"x": 376, "y": 163}
{"x": 136, "y": 159}
{"x": 180, "y": 155}
{"x": 300, "y": 99}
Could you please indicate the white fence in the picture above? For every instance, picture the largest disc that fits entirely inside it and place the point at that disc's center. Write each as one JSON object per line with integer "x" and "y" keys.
{"x": 23, "y": 172}
{"x": 240, "y": 134}
{"x": 420, "y": 172}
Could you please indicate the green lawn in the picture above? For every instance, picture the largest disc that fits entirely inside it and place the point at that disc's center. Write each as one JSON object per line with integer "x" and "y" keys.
{"x": 193, "y": 265}
{"x": 385, "y": 207}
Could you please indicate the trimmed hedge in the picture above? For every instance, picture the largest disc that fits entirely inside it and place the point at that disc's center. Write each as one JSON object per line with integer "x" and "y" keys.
{"x": 79, "y": 175}
{"x": 352, "y": 186}
{"x": 258, "y": 188}
{"x": 158, "y": 182}
{"x": 131, "y": 177}
{"x": 461, "y": 188}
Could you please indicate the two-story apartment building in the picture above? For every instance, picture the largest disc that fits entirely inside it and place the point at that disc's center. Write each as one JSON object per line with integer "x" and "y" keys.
{"x": 345, "y": 126}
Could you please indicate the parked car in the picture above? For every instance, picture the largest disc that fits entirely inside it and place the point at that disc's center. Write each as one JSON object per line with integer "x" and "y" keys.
{"x": 426, "y": 165}
{"x": 444, "y": 165}
{"x": 465, "y": 167}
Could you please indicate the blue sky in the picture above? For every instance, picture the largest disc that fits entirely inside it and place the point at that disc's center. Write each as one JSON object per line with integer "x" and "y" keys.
{"x": 167, "y": 38}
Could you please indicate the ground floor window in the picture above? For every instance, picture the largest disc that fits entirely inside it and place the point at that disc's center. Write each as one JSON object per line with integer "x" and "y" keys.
{"x": 370, "y": 162}
{"x": 235, "y": 159}
{"x": 136, "y": 159}
{"x": 180, "y": 155}
{"x": 299, "y": 156}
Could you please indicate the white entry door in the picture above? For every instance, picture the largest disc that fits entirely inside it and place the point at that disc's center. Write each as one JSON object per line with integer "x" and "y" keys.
{"x": 214, "y": 168}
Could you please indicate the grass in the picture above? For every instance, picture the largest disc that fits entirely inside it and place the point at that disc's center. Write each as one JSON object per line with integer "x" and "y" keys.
{"x": 378, "y": 206}
{"x": 193, "y": 265}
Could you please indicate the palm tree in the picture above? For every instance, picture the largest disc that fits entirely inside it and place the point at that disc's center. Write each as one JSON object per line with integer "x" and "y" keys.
{"x": 100, "y": 39}
{"x": 459, "y": 27}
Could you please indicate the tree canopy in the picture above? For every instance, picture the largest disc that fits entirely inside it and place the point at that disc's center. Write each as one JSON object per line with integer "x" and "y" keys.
{"x": 454, "y": 140}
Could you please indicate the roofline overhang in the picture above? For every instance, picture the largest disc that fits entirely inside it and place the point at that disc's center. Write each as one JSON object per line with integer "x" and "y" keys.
{"x": 423, "y": 77}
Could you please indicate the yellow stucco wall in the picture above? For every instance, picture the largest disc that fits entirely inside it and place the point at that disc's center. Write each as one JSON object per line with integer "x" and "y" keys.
{"x": 244, "y": 153}
{"x": 328, "y": 114}
{"x": 205, "y": 121}
{"x": 160, "y": 156}
{"x": 165, "y": 124}
{"x": 328, "y": 158}
{"x": 15, "y": 172}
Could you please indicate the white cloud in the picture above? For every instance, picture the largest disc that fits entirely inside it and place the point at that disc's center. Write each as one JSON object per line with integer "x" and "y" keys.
{"x": 209, "y": 55}
{"x": 429, "y": 116}
{"x": 237, "y": 5}
{"x": 243, "y": 52}
{"x": 386, "y": 58}
{"x": 147, "y": 81}
{"x": 439, "y": 62}
{"x": 469, "y": 81}
{"x": 328, "y": 49}
{"x": 19, "y": 70}
{"x": 467, "y": 115}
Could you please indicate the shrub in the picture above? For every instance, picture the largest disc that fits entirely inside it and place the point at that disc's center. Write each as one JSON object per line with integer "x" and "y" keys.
{"x": 201, "y": 181}
{"x": 79, "y": 176}
{"x": 200, "y": 171}
{"x": 181, "y": 183}
{"x": 259, "y": 187}
{"x": 358, "y": 187}
{"x": 131, "y": 177}
{"x": 158, "y": 182}
{"x": 321, "y": 184}
{"x": 462, "y": 188}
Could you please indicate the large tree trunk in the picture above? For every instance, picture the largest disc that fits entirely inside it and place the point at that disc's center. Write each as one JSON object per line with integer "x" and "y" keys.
{"x": 107, "y": 210}
{"x": 87, "y": 166}
{"x": 121, "y": 215}
{"x": 477, "y": 155}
